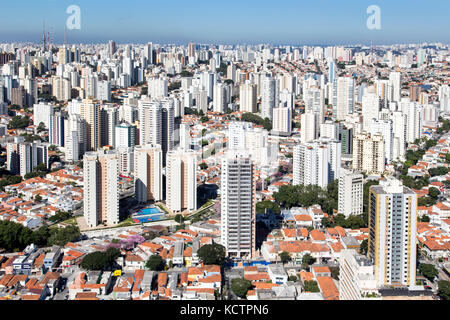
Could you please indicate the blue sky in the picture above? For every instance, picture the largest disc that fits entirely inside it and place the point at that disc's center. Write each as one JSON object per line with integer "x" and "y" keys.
{"x": 229, "y": 22}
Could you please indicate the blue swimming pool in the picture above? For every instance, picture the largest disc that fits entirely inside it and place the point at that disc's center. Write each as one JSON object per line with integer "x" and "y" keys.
{"x": 147, "y": 211}
{"x": 148, "y": 215}
{"x": 142, "y": 219}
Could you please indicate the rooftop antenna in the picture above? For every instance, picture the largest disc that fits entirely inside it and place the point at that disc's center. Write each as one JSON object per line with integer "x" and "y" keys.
{"x": 65, "y": 35}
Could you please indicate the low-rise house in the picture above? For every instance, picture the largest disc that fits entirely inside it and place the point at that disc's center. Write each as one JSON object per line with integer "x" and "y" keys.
{"x": 277, "y": 273}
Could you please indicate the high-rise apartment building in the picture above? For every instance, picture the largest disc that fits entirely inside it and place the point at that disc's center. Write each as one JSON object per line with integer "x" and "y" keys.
{"x": 101, "y": 188}
{"x": 392, "y": 233}
{"x": 282, "y": 120}
{"x": 309, "y": 130}
{"x": 317, "y": 163}
{"x": 156, "y": 124}
{"x": 371, "y": 103}
{"x": 269, "y": 98}
{"x": 148, "y": 173}
{"x": 181, "y": 180}
{"x": 125, "y": 135}
{"x": 247, "y": 97}
{"x": 42, "y": 113}
{"x": 350, "y": 196}
{"x": 368, "y": 153}
{"x": 90, "y": 112}
{"x": 345, "y": 97}
{"x": 238, "y": 231}
{"x": 396, "y": 84}
{"x": 356, "y": 277}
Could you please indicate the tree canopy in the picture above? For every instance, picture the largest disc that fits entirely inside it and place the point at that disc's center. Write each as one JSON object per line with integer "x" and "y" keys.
{"x": 311, "y": 286}
{"x": 262, "y": 206}
{"x": 253, "y": 118}
{"x": 444, "y": 289}
{"x": 100, "y": 260}
{"x": 15, "y": 237}
{"x": 285, "y": 257}
{"x": 241, "y": 286}
{"x": 290, "y": 196}
{"x": 428, "y": 270}
{"x": 19, "y": 122}
{"x": 212, "y": 254}
{"x": 363, "y": 247}
{"x": 155, "y": 263}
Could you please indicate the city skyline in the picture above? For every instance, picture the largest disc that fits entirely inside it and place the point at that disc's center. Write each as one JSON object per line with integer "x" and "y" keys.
{"x": 294, "y": 22}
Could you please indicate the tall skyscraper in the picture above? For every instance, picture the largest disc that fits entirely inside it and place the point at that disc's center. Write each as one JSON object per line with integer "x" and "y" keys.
{"x": 414, "y": 119}
{"x": 101, "y": 188}
{"x": 315, "y": 102}
{"x": 368, "y": 153}
{"x": 56, "y": 131}
{"x": 282, "y": 120}
{"x": 125, "y": 135}
{"x": 148, "y": 52}
{"x": 370, "y": 108}
{"x": 345, "y": 97}
{"x": 247, "y": 97}
{"x": 181, "y": 180}
{"x": 269, "y": 97}
{"x": 309, "y": 130}
{"x": 350, "y": 199}
{"x": 42, "y": 113}
{"x": 238, "y": 190}
{"x": 316, "y": 163}
{"x": 396, "y": 83}
{"x": 75, "y": 139}
{"x": 156, "y": 121}
{"x": 148, "y": 173}
{"x": 219, "y": 101}
{"x": 90, "y": 112}
{"x": 385, "y": 128}
{"x": 392, "y": 233}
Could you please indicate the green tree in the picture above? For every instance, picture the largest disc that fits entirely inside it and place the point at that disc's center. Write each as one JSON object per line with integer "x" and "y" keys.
{"x": 434, "y": 193}
{"x": 212, "y": 254}
{"x": 204, "y": 119}
{"x": 41, "y": 127}
{"x": 428, "y": 270}
{"x": 293, "y": 278}
{"x": 155, "y": 263}
{"x": 14, "y": 236}
{"x": 174, "y": 86}
{"x": 311, "y": 286}
{"x": 61, "y": 236}
{"x": 444, "y": 289}
{"x": 440, "y": 171}
{"x": 284, "y": 257}
{"x": 262, "y": 206}
{"x": 241, "y": 286}
{"x": 38, "y": 198}
{"x": 179, "y": 218}
{"x": 18, "y": 122}
{"x": 307, "y": 260}
{"x": 40, "y": 236}
{"x": 363, "y": 247}
{"x": 9, "y": 180}
{"x": 203, "y": 166}
{"x": 100, "y": 260}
